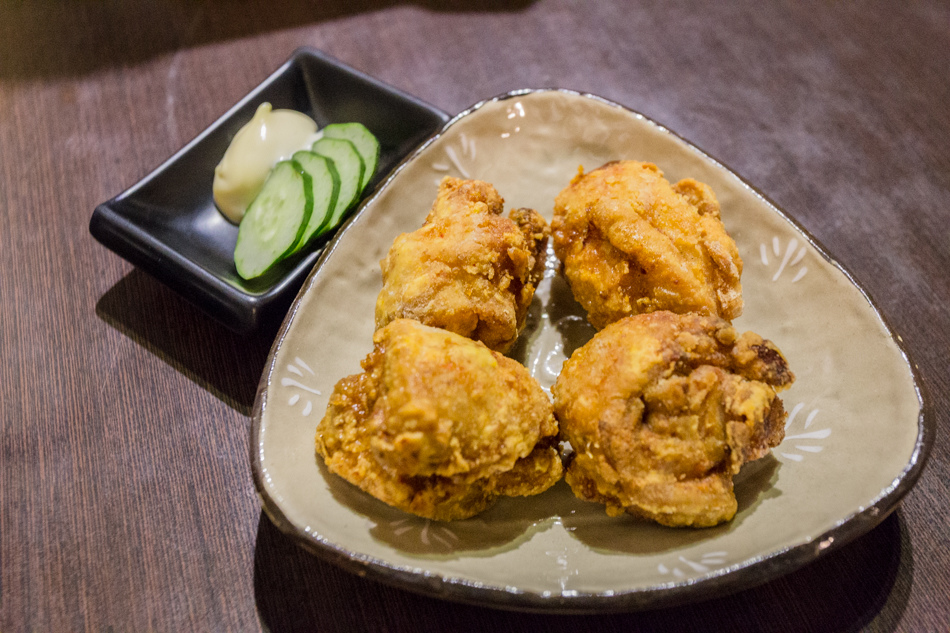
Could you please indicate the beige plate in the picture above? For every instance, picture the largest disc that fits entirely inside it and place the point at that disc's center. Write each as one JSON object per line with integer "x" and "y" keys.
{"x": 857, "y": 436}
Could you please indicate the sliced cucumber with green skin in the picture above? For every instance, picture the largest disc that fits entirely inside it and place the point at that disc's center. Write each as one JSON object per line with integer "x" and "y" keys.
{"x": 326, "y": 188}
{"x": 364, "y": 142}
{"x": 275, "y": 220}
{"x": 349, "y": 167}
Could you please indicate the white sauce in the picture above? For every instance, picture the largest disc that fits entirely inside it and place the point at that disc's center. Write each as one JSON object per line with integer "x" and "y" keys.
{"x": 271, "y": 136}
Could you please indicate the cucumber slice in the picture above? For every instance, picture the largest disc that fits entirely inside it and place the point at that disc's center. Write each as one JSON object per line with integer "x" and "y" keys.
{"x": 364, "y": 142}
{"x": 275, "y": 220}
{"x": 326, "y": 188}
{"x": 349, "y": 167}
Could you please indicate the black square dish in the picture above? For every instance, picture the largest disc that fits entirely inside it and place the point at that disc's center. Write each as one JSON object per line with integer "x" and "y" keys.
{"x": 167, "y": 224}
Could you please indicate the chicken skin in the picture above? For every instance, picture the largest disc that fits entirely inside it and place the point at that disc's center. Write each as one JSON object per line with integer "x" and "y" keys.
{"x": 469, "y": 269}
{"x": 661, "y": 411}
{"x": 631, "y": 243}
{"x": 439, "y": 426}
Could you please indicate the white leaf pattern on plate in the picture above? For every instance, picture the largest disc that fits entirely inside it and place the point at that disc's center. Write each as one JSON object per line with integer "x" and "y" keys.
{"x": 429, "y": 531}
{"x": 792, "y": 257}
{"x": 706, "y": 563}
{"x": 301, "y": 369}
{"x": 804, "y": 440}
{"x": 457, "y": 158}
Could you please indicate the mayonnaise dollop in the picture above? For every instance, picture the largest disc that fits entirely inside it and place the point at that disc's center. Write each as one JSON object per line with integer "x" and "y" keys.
{"x": 271, "y": 136}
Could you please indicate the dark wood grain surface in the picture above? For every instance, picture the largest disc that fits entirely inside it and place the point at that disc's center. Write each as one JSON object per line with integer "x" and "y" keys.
{"x": 126, "y": 499}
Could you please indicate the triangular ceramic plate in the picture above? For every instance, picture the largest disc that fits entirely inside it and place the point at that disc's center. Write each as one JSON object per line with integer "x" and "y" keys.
{"x": 857, "y": 435}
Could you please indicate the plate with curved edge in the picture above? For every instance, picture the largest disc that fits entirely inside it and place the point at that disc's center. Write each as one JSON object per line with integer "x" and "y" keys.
{"x": 857, "y": 436}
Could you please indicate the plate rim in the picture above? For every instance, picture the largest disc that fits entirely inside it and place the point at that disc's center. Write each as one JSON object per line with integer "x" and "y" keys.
{"x": 744, "y": 575}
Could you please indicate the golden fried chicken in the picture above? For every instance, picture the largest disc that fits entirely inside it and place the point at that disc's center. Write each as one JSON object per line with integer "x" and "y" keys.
{"x": 439, "y": 425}
{"x": 662, "y": 410}
{"x": 468, "y": 270}
{"x": 632, "y": 243}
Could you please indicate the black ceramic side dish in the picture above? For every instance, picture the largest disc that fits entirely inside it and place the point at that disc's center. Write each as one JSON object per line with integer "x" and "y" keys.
{"x": 167, "y": 223}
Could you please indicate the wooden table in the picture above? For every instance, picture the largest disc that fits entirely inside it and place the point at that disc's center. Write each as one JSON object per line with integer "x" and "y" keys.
{"x": 126, "y": 500}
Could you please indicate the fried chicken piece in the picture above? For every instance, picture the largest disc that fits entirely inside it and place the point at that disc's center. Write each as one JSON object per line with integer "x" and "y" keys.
{"x": 662, "y": 410}
{"x": 468, "y": 270}
{"x": 439, "y": 426}
{"x": 632, "y": 243}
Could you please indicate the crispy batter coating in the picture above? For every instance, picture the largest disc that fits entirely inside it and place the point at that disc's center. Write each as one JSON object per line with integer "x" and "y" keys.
{"x": 663, "y": 409}
{"x": 439, "y": 425}
{"x": 632, "y": 243}
{"x": 468, "y": 270}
